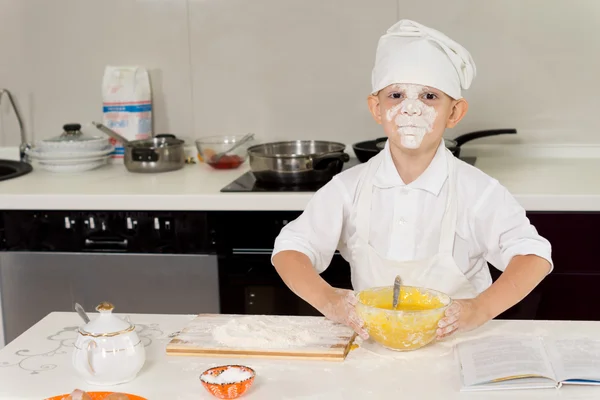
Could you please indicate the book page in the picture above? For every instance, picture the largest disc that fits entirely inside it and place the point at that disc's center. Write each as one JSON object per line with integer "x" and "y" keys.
{"x": 575, "y": 358}
{"x": 497, "y": 358}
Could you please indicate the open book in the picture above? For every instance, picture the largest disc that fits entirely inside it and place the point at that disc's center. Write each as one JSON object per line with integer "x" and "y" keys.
{"x": 528, "y": 362}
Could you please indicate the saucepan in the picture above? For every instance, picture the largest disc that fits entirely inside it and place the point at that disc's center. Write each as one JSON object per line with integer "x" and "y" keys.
{"x": 369, "y": 148}
{"x": 161, "y": 153}
{"x": 297, "y": 162}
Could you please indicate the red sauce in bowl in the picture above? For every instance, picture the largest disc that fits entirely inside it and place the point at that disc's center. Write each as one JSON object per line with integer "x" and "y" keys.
{"x": 226, "y": 162}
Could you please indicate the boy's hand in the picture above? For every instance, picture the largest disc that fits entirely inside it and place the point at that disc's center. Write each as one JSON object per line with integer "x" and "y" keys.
{"x": 462, "y": 315}
{"x": 339, "y": 307}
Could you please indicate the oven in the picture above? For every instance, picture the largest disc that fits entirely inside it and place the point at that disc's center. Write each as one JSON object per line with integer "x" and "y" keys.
{"x": 248, "y": 283}
{"x": 143, "y": 262}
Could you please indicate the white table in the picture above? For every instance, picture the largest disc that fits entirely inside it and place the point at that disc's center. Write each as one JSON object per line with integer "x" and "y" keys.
{"x": 38, "y": 365}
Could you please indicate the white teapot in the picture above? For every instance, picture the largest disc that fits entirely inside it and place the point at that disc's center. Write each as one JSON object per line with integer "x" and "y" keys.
{"x": 108, "y": 351}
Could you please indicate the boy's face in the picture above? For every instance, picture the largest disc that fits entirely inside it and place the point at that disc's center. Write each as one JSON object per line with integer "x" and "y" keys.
{"x": 414, "y": 117}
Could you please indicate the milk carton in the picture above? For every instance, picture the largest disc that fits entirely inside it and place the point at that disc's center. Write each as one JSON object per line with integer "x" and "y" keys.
{"x": 127, "y": 104}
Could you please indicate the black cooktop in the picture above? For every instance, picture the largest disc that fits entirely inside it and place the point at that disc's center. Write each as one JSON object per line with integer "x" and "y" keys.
{"x": 248, "y": 183}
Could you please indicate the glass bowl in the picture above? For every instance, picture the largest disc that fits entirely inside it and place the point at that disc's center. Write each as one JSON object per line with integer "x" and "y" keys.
{"x": 412, "y": 325}
{"x": 209, "y": 147}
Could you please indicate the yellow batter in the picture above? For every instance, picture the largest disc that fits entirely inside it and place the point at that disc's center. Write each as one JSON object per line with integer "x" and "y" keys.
{"x": 411, "y": 325}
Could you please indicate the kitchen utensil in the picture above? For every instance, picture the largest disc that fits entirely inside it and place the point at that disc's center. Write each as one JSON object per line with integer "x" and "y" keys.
{"x": 72, "y": 167}
{"x": 162, "y": 153}
{"x": 297, "y": 162}
{"x": 454, "y": 144}
{"x": 229, "y": 389}
{"x": 367, "y": 149}
{"x": 40, "y": 155}
{"x": 72, "y": 140}
{"x": 397, "y": 283}
{"x": 235, "y": 146}
{"x": 98, "y": 396}
{"x": 115, "y": 135}
{"x": 81, "y": 313}
{"x": 107, "y": 350}
{"x": 332, "y": 343}
{"x": 411, "y": 326}
{"x": 224, "y": 152}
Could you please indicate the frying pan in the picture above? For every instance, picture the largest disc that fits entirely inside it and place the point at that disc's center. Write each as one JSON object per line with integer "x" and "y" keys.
{"x": 369, "y": 148}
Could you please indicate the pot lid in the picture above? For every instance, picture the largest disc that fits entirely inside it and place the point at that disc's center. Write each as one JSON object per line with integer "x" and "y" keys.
{"x": 72, "y": 133}
{"x": 106, "y": 322}
{"x": 157, "y": 142}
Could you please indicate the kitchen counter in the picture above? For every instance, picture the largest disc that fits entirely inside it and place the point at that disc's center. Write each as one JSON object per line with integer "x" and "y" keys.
{"x": 38, "y": 365}
{"x": 565, "y": 182}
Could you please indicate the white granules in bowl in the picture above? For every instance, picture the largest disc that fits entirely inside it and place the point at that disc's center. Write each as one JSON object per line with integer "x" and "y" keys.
{"x": 264, "y": 332}
{"x": 230, "y": 375}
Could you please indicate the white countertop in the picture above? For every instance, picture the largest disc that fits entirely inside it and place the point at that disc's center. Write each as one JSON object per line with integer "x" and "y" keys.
{"x": 38, "y": 365}
{"x": 562, "y": 179}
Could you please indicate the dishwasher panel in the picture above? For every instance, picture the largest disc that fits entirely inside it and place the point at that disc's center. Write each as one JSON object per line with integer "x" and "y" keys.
{"x": 33, "y": 285}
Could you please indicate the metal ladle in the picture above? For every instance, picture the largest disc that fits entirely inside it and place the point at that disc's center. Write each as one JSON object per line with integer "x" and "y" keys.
{"x": 397, "y": 283}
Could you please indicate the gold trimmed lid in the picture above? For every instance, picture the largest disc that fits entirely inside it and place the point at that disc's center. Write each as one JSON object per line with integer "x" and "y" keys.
{"x": 106, "y": 323}
{"x": 105, "y": 306}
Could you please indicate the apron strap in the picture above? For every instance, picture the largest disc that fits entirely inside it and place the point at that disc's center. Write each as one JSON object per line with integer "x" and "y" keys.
{"x": 365, "y": 194}
{"x": 448, "y": 228}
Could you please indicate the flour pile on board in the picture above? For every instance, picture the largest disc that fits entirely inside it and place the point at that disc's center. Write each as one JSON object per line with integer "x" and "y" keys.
{"x": 265, "y": 332}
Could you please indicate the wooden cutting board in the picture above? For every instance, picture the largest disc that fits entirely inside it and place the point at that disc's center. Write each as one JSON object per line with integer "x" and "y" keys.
{"x": 266, "y": 336}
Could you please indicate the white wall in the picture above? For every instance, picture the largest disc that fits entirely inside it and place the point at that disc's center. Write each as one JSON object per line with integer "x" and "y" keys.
{"x": 288, "y": 69}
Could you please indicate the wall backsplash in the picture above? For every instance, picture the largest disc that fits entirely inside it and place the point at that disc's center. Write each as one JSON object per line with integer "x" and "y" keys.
{"x": 288, "y": 69}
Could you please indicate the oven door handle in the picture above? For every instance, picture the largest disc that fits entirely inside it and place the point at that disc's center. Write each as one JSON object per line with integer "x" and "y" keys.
{"x": 261, "y": 251}
{"x": 253, "y": 251}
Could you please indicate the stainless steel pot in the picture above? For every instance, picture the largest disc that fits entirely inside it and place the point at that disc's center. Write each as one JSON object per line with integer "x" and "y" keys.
{"x": 297, "y": 162}
{"x": 161, "y": 153}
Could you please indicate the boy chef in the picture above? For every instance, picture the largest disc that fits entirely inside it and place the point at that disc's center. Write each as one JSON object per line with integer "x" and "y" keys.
{"x": 415, "y": 210}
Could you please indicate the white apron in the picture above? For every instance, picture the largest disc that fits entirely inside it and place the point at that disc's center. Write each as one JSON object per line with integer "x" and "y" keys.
{"x": 439, "y": 272}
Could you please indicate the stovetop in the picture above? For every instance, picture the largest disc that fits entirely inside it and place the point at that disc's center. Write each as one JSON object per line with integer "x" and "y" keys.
{"x": 248, "y": 183}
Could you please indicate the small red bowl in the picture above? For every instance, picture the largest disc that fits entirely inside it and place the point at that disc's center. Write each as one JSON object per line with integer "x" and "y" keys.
{"x": 227, "y": 390}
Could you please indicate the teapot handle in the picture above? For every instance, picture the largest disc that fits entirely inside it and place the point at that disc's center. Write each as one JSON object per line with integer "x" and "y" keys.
{"x": 91, "y": 345}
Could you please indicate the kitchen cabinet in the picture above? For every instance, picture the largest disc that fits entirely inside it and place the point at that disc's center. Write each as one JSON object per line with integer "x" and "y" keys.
{"x": 571, "y": 290}
{"x": 245, "y": 241}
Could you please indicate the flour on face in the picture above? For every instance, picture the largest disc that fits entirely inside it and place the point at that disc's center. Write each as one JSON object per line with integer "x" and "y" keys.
{"x": 412, "y": 116}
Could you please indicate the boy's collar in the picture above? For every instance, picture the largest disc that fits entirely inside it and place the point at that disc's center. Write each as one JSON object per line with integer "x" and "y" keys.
{"x": 431, "y": 180}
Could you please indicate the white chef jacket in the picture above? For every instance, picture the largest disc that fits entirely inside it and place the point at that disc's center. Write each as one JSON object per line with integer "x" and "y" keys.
{"x": 406, "y": 219}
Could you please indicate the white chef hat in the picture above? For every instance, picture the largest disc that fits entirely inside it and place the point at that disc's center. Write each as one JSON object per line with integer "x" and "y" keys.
{"x": 413, "y": 53}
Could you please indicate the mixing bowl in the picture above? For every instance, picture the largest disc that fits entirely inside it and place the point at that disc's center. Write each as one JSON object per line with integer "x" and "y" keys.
{"x": 409, "y": 327}
{"x": 209, "y": 147}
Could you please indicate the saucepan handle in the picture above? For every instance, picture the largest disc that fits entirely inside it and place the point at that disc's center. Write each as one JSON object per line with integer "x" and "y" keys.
{"x": 467, "y": 137}
{"x": 322, "y": 162}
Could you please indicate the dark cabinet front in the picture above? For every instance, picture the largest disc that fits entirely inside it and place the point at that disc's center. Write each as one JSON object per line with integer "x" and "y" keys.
{"x": 250, "y": 285}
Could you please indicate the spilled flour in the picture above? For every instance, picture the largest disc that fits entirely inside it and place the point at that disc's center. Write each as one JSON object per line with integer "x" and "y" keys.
{"x": 264, "y": 332}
